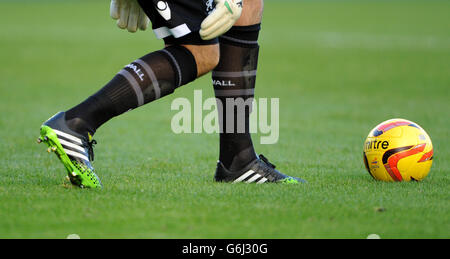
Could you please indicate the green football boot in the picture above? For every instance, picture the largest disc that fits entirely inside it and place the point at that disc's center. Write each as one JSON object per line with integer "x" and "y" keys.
{"x": 74, "y": 150}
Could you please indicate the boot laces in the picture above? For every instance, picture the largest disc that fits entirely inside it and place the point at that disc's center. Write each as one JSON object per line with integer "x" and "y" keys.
{"x": 266, "y": 161}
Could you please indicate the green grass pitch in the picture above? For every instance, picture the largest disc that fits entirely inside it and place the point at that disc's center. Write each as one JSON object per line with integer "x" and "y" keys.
{"x": 338, "y": 67}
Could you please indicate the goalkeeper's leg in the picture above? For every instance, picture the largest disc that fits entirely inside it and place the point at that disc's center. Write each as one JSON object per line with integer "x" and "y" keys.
{"x": 144, "y": 80}
{"x": 239, "y": 50}
{"x": 69, "y": 134}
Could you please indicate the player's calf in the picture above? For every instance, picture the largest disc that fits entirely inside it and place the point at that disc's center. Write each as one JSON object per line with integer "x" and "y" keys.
{"x": 206, "y": 57}
{"x": 144, "y": 80}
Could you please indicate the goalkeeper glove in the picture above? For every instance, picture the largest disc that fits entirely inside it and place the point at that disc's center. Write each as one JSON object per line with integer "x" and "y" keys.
{"x": 225, "y": 15}
{"x": 129, "y": 15}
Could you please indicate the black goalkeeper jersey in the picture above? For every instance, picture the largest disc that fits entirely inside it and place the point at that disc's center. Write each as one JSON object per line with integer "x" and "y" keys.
{"x": 178, "y": 21}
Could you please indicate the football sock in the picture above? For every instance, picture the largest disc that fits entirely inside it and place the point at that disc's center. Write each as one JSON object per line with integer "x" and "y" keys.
{"x": 234, "y": 80}
{"x": 145, "y": 80}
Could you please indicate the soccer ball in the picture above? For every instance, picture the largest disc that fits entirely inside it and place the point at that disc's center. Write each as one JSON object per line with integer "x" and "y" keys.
{"x": 398, "y": 150}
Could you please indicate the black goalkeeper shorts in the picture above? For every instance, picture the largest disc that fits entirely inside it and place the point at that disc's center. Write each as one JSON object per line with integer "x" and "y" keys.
{"x": 178, "y": 21}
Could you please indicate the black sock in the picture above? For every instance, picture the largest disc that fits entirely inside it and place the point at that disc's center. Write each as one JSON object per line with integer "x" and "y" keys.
{"x": 147, "y": 79}
{"x": 234, "y": 80}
